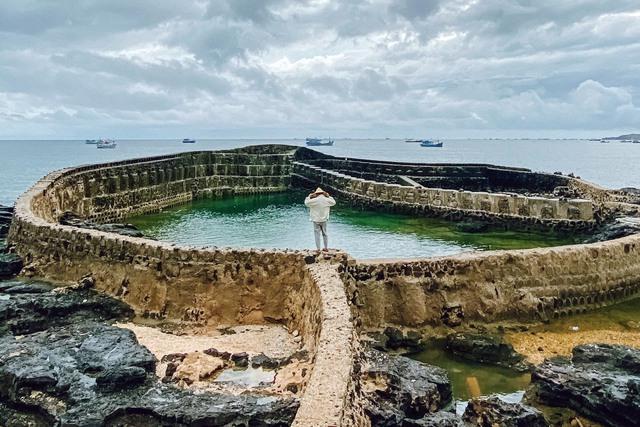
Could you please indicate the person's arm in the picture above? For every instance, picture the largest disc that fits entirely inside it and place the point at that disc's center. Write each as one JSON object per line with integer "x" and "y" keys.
{"x": 330, "y": 200}
{"x": 310, "y": 201}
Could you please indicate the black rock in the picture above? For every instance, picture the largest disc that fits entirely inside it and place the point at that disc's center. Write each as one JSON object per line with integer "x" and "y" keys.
{"x": 484, "y": 348}
{"x": 614, "y": 230}
{"x": 491, "y": 411}
{"x": 401, "y": 388}
{"x": 600, "y": 381}
{"x": 396, "y": 339}
{"x": 439, "y": 419}
{"x": 120, "y": 378}
{"x": 35, "y": 309}
{"x": 71, "y": 367}
{"x": 10, "y": 265}
{"x": 264, "y": 361}
{"x": 240, "y": 359}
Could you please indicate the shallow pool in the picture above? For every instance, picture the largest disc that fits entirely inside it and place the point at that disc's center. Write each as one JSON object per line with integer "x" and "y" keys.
{"x": 280, "y": 220}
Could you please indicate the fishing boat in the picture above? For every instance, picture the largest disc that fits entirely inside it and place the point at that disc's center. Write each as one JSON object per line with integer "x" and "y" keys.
{"x": 431, "y": 143}
{"x": 106, "y": 143}
{"x": 636, "y": 141}
{"x": 90, "y": 141}
{"x": 319, "y": 142}
{"x": 604, "y": 141}
{"x": 188, "y": 141}
{"x": 413, "y": 140}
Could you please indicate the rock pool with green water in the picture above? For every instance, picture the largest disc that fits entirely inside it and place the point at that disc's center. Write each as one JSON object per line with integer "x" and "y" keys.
{"x": 280, "y": 220}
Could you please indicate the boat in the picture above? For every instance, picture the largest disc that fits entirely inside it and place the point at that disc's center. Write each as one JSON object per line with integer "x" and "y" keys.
{"x": 636, "y": 141}
{"x": 90, "y": 141}
{"x": 604, "y": 141}
{"x": 318, "y": 142}
{"x": 106, "y": 143}
{"x": 431, "y": 143}
{"x": 413, "y": 140}
{"x": 188, "y": 141}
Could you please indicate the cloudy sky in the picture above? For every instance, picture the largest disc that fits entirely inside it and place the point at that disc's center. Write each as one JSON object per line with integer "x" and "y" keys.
{"x": 276, "y": 68}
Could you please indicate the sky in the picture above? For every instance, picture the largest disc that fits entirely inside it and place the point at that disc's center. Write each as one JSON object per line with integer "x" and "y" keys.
{"x": 280, "y": 69}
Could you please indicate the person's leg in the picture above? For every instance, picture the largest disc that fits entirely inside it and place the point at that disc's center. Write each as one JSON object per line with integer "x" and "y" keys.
{"x": 317, "y": 230}
{"x": 325, "y": 236}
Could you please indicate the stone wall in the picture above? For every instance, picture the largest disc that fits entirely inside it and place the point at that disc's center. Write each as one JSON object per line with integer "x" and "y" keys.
{"x": 112, "y": 191}
{"x": 546, "y": 212}
{"x": 533, "y": 284}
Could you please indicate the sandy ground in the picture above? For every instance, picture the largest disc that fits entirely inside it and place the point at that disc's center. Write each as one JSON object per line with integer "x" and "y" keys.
{"x": 536, "y": 346}
{"x": 272, "y": 340}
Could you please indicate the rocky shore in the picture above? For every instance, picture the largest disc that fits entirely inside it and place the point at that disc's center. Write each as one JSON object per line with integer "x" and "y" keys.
{"x": 62, "y": 362}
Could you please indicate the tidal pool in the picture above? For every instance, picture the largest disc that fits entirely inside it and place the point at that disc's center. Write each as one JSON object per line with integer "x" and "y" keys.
{"x": 616, "y": 324}
{"x": 280, "y": 220}
{"x": 470, "y": 379}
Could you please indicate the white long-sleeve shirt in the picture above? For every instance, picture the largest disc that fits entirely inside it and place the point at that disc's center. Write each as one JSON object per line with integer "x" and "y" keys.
{"x": 319, "y": 207}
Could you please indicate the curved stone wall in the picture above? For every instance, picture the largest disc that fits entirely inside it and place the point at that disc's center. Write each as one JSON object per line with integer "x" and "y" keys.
{"x": 512, "y": 209}
{"x": 532, "y": 284}
{"x": 311, "y": 294}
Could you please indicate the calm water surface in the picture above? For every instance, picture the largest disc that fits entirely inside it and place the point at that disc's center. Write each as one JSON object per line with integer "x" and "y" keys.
{"x": 611, "y": 165}
{"x": 465, "y": 375}
{"x": 281, "y": 220}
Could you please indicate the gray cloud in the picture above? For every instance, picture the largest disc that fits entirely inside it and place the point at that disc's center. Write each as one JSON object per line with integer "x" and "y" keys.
{"x": 293, "y": 67}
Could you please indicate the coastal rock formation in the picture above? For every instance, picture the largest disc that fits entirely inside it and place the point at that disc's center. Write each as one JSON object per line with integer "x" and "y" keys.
{"x": 397, "y": 388}
{"x": 6, "y": 215}
{"x": 622, "y": 227}
{"x": 600, "y": 381}
{"x": 484, "y": 348}
{"x": 493, "y": 411}
{"x": 62, "y": 363}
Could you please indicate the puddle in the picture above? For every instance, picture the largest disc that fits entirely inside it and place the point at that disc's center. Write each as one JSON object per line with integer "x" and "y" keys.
{"x": 248, "y": 377}
{"x": 469, "y": 379}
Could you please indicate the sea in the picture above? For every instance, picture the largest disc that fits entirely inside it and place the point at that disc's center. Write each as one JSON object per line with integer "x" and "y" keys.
{"x": 612, "y": 165}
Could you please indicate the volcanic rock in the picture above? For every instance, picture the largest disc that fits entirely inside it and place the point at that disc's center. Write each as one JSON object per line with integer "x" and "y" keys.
{"x": 485, "y": 348}
{"x": 397, "y": 387}
{"x": 600, "y": 381}
{"x": 491, "y": 411}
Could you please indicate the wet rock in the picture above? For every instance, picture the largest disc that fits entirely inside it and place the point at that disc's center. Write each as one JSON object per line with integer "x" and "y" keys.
{"x": 225, "y": 355}
{"x": 240, "y": 359}
{"x": 614, "y": 230}
{"x": 452, "y": 314}
{"x": 397, "y": 339}
{"x": 33, "y": 309}
{"x": 439, "y": 419}
{"x": 69, "y": 218}
{"x": 492, "y": 411}
{"x": 484, "y": 348}
{"x": 10, "y": 265}
{"x": 396, "y": 387}
{"x": 120, "y": 378}
{"x": 472, "y": 227}
{"x": 599, "y": 381}
{"x": 69, "y": 367}
{"x": 264, "y": 361}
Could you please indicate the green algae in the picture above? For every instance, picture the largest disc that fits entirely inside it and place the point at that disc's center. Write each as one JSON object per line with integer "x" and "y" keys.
{"x": 280, "y": 220}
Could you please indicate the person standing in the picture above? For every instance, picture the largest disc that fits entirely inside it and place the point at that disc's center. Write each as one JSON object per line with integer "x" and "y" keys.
{"x": 319, "y": 203}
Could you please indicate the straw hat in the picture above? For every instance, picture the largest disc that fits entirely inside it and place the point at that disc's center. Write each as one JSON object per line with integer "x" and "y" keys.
{"x": 318, "y": 191}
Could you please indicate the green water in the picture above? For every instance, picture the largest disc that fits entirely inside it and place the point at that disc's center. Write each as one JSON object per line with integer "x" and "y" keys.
{"x": 465, "y": 376}
{"x": 280, "y": 220}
